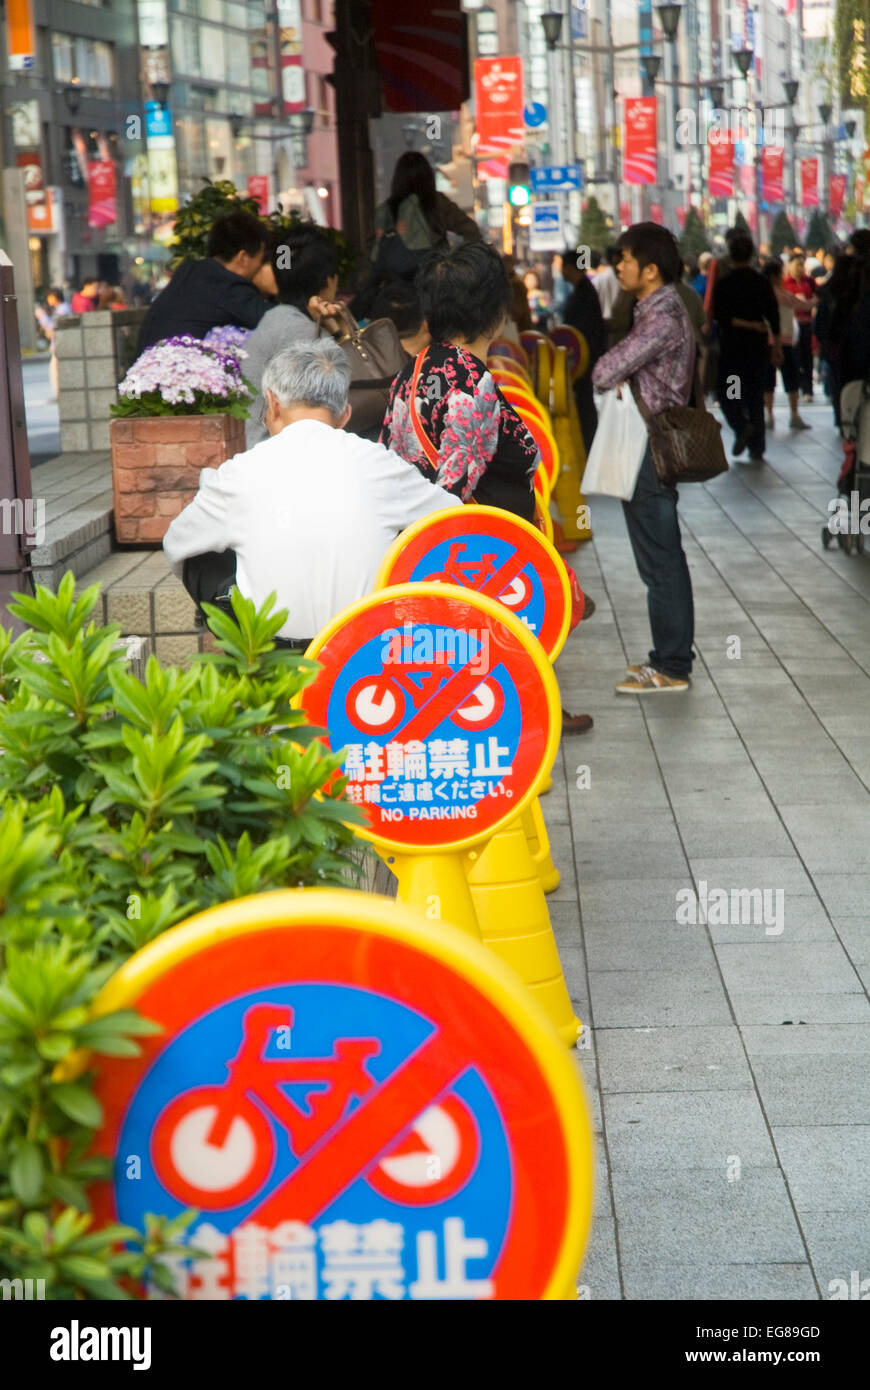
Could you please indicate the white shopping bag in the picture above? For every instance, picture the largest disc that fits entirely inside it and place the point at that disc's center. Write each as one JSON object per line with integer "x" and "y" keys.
{"x": 618, "y": 447}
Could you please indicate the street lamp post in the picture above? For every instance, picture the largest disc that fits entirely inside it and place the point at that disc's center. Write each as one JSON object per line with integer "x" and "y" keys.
{"x": 790, "y": 87}
{"x": 669, "y": 16}
{"x": 825, "y": 118}
{"x": 551, "y": 21}
{"x": 744, "y": 58}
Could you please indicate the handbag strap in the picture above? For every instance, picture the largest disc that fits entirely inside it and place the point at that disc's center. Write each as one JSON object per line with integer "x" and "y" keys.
{"x": 423, "y": 439}
{"x": 700, "y": 402}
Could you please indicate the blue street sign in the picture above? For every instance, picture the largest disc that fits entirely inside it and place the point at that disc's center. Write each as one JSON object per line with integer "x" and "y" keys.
{"x": 158, "y": 119}
{"x": 556, "y": 178}
{"x": 535, "y": 113}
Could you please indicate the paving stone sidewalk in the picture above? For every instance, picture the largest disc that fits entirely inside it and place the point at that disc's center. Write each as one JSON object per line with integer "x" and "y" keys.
{"x": 729, "y": 1066}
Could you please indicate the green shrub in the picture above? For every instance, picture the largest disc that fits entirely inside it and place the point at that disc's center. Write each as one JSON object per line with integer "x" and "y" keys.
{"x": 125, "y": 806}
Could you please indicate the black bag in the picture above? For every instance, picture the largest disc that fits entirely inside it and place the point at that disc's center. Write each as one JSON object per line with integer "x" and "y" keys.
{"x": 685, "y": 441}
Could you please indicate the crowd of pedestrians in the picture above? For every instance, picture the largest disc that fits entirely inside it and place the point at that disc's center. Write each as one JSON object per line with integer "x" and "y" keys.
{"x": 309, "y": 508}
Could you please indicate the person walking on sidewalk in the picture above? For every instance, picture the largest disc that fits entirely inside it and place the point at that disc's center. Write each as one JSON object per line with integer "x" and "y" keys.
{"x": 798, "y": 283}
{"x": 746, "y": 311}
{"x": 788, "y": 303}
{"x": 658, "y": 358}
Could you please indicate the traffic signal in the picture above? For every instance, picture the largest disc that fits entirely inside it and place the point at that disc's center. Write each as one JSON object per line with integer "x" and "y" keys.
{"x": 518, "y": 185}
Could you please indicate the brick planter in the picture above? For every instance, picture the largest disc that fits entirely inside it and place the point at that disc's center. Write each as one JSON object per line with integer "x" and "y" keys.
{"x": 156, "y": 463}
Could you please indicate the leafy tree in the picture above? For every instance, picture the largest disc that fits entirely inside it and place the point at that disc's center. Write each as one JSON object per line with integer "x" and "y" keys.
{"x": 819, "y": 230}
{"x": 693, "y": 239}
{"x": 193, "y": 223}
{"x": 782, "y": 234}
{"x": 740, "y": 221}
{"x": 125, "y": 806}
{"x": 595, "y": 231}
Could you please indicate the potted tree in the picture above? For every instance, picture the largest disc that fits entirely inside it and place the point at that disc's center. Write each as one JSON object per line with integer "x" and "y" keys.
{"x": 181, "y": 408}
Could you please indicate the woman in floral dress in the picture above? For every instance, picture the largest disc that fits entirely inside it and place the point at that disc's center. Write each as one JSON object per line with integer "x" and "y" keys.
{"x": 446, "y": 414}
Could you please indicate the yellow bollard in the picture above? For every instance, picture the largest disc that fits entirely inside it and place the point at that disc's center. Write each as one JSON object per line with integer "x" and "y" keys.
{"x": 538, "y": 841}
{"x": 566, "y": 490}
{"x": 514, "y": 922}
{"x": 546, "y": 785}
{"x": 436, "y": 885}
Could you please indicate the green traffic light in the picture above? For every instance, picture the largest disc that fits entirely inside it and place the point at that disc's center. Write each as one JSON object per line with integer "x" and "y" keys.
{"x": 519, "y": 195}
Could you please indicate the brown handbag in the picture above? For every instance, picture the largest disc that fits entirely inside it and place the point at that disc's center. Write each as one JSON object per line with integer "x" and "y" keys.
{"x": 685, "y": 441}
{"x": 376, "y": 357}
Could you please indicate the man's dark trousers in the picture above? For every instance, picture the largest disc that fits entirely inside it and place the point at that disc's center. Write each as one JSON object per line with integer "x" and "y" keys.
{"x": 741, "y": 388}
{"x": 654, "y": 532}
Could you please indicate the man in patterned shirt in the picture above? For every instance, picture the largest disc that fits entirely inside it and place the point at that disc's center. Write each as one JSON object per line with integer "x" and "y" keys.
{"x": 658, "y": 355}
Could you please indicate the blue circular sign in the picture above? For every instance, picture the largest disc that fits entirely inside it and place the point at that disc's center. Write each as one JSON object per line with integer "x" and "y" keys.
{"x": 534, "y": 113}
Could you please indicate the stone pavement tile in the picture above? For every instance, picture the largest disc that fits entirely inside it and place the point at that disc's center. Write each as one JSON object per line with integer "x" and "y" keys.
{"x": 630, "y": 899}
{"x": 839, "y": 1243}
{"x": 789, "y": 967}
{"x": 672, "y": 1059}
{"x": 798, "y": 1007}
{"x": 647, "y": 945}
{"x": 834, "y": 840}
{"x": 808, "y": 1041}
{"x": 678, "y": 1130}
{"x": 832, "y": 1090}
{"x": 747, "y": 1221}
{"x": 817, "y": 789}
{"x": 804, "y": 920}
{"x": 623, "y": 851}
{"x": 657, "y": 998}
{"x": 845, "y": 894}
{"x": 598, "y": 1278}
{"x": 739, "y": 871}
{"x": 735, "y": 835}
{"x": 827, "y": 1168}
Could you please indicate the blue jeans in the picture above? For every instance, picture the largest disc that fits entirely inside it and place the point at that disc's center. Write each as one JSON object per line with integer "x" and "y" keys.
{"x": 654, "y": 532}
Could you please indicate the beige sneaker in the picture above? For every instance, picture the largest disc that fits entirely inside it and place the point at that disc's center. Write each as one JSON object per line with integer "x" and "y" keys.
{"x": 646, "y": 680}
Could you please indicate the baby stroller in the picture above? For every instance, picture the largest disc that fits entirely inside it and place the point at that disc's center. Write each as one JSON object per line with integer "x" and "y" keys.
{"x": 853, "y": 484}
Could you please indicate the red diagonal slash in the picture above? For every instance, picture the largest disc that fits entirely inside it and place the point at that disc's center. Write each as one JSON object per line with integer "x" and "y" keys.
{"x": 498, "y": 582}
{"x": 353, "y": 1145}
{"x": 439, "y": 706}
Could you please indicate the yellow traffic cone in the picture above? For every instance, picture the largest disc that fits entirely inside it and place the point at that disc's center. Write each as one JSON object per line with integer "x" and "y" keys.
{"x": 514, "y": 922}
{"x": 435, "y": 884}
{"x": 538, "y": 840}
{"x": 569, "y": 499}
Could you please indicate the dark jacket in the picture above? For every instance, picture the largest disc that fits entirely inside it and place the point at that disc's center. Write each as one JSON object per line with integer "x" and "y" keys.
{"x": 201, "y": 295}
{"x": 744, "y": 293}
{"x": 583, "y": 311}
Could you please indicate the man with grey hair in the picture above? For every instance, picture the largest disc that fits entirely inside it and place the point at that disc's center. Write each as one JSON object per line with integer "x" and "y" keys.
{"x": 308, "y": 512}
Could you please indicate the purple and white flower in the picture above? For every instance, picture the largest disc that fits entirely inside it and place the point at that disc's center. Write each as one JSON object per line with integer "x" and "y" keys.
{"x": 184, "y": 371}
{"x": 228, "y": 338}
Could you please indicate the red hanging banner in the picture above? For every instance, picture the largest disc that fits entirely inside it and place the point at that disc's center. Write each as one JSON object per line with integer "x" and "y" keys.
{"x": 258, "y": 187}
{"x": 837, "y": 185}
{"x": 639, "y": 160}
{"x": 102, "y": 206}
{"x": 655, "y": 213}
{"x": 498, "y": 85}
{"x": 810, "y": 183}
{"x": 772, "y": 161}
{"x": 720, "y": 172}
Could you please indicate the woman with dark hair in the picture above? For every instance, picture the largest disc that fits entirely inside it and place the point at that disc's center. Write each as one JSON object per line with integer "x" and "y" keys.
{"x": 414, "y": 220}
{"x": 301, "y": 272}
{"x": 788, "y": 368}
{"x": 446, "y": 415}
{"x": 417, "y": 211}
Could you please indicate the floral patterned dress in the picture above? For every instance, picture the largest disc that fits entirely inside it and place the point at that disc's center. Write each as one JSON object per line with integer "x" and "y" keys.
{"x": 485, "y": 452}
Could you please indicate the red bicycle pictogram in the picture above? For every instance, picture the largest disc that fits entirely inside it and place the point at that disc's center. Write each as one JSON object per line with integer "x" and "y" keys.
{"x": 379, "y": 704}
{"x": 215, "y": 1147}
{"x": 477, "y": 574}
